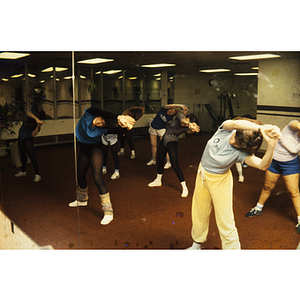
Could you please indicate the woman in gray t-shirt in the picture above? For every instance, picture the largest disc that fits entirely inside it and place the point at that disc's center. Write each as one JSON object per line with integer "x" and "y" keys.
{"x": 180, "y": 124}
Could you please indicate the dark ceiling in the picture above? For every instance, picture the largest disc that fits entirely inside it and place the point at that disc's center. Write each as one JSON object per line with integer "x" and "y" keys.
{"x": 186, "y": 61}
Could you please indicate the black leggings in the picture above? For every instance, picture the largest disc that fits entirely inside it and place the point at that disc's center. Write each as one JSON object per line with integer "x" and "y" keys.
{"x": 127, "y": 136}
{"x": 91, "y": 155}
{"x": 172, "y": 150}
{"x": 114, "y": 153}
{"x": 26, "y": 148}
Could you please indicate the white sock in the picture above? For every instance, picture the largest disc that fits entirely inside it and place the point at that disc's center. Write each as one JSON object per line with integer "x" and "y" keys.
{"x": 298, "y": 219}
{"x": 259, "y": 206}
{"x": 132, "y": 152}
{"x": 195, "y": 246}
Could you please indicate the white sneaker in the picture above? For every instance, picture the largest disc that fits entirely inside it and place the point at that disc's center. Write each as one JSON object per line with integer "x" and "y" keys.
{"x": 116, "y": 175}
{"x": 106, "y": 219}
{"x": 37, "y": 178}
{"x": 241, "y": 178}
{"x": 151, "y": 163}
{"x": 78, "y": 203}
{"x": 167, "y": 165}
{"x": 184, "y": 193}
{"x": 121, "y": 153}
{"x": 132, "y": 156}
{"x": 20, "y": 174}
{"x": 195, "y": 246}
{"x": 104, "y": 170}
{"x": 155, "y": 183}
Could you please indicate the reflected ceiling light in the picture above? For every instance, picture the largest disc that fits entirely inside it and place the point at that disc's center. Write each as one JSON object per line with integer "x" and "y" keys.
{"x": 12, "y": 55}
{"x": 120, "y": 77}
{"x": 5, "y": 79}
{"x": 82, "y": 77}
{"x": 31, "y": 75}
{"x": 157, "y": 75}
{"x": 112, "y": 72}
{"x": 255, "y": 68}
{"x": 132, "y": 78}
{"x": 68, "y": 77}
{"x": 97, "y": 73}
{"x": 95, "y": 61}
{"x": 158, "y": 78}
{"x": 17, "y": 76}
{"x": 257, "y": 56}
{"x": 214, "y": 70}
{"x": 57, "y": 69}
{"x": 246, "y": 74}
{"x": 42, "y": 81}
{"x": 162, "y": 65}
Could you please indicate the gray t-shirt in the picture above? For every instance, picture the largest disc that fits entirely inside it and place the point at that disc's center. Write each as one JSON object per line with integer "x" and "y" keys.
{"x": 174, "y": 129}
{"x": 288, "y": 147}
{"x": 219, "y": 155}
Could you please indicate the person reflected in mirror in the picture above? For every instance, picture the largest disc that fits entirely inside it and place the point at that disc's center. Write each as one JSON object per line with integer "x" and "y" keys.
{"x": 91, "y": 126}
{"x": 234, "y": 141}
{"x": 158, "y": 128}
{"x": 286, "y": 163}
{"x": 135, "y": 112}
{"x": 28, "y": 130}
{"x": 180, "y": 124}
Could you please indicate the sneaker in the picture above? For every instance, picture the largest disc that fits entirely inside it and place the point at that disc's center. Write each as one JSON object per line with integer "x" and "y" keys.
{"x": 155, "y": 183}
{"x": 298, "y": 228}
{"x": 20, "y": 174}
{"x": 254, "y": 212}
{"x": 167, "y": 165}
{"x": 37, "y": 178}
{"x": 132, "y": 156}
{"x": 194, "y": 246}
{"x": 241, "y": 178}
{"x": 184, "y": 193}
{"x": 121, "y": 153}
{"x": 151, "y": 163}
{"x": 116, "y": 175}
{"x": 78, "y": 203}
{"x": 104, "y": 170}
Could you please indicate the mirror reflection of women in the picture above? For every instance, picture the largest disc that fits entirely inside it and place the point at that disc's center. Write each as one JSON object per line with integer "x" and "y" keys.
{"x": 29, "y": 129}
{"x": 89, "y": 129}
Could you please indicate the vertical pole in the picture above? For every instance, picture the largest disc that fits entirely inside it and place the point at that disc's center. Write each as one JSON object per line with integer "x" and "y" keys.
{"x": 164, "y": 88}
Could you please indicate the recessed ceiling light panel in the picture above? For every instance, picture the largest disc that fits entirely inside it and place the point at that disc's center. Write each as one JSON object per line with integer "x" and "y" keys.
{"x": 95, "y": 61}
{"x": 12, "y": 55}
{"x": 161, "y": 65}
{"x": 258, "y": 56}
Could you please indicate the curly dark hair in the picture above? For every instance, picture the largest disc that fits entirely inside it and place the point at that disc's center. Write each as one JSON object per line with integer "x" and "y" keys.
{"x": 249, "y": 140}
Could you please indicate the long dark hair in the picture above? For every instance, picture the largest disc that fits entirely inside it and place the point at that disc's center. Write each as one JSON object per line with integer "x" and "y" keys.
{"x": 109, "y": 117}
{"x": 249, "y": 140}
{"x": 30, "y": 123}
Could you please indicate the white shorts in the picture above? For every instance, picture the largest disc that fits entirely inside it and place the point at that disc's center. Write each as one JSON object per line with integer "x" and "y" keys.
{"x": 158, "y": 132}
{"x": 109, "y": 139}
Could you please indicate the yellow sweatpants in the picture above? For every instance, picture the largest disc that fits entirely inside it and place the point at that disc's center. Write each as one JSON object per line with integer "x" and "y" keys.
{"x": 216, "y": 190}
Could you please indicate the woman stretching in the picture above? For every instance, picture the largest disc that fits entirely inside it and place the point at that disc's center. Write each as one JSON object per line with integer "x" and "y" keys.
{"x": 89, "y": 129}
{"x": 179, "y": 125}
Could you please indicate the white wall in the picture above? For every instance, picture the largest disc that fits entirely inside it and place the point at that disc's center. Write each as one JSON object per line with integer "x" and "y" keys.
{"x": 278, "y": 92}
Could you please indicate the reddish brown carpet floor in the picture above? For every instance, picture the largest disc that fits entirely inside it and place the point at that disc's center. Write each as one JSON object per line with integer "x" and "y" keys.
{"x": 144, "y": 218}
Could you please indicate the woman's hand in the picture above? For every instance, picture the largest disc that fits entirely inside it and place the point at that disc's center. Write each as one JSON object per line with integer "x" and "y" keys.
{"x": 270, "y": 132}
{"x": 194, "y": 127}
{"x": 126, "y": 121}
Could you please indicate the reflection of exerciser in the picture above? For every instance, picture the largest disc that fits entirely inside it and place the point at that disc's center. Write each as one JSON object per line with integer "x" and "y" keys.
{"x": 225, "y": 98}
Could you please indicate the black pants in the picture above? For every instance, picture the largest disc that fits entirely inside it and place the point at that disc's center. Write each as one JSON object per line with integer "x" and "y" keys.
{"x": 26, "y": 148}
{"x": 173, "y": 153}
{"x": 128, "y": 138}
{"x": 114, "y": 153}
{"x": 91, "y": 155}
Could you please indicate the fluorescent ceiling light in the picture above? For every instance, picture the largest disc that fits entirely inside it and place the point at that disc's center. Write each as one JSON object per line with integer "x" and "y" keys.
{"x": 132, "y": 78}
{"x": 120, "y": 77}
{"x": 97, "y": 73}
{"x": 12, "y": 55}
{"x": 215, "y": 70}
{"x": 68, "y": 77}
{"x": 17, "y": 76}
{"x": 42, "y": 81}
{"x": 112, "y": 71}
{"x": 258, "y": 56}
{"x": 57, "y": 69}
{"x": 5, "y": 79}
{"x": 246, "y": 74}
{"x": 157, "y": 75}
{"x": 158, "y": 65}
{"x": 31, "y": 75}
{"x": 82, "y": 77}
{"x": 255, "y": 68}
{"x": 95, "y": 61}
